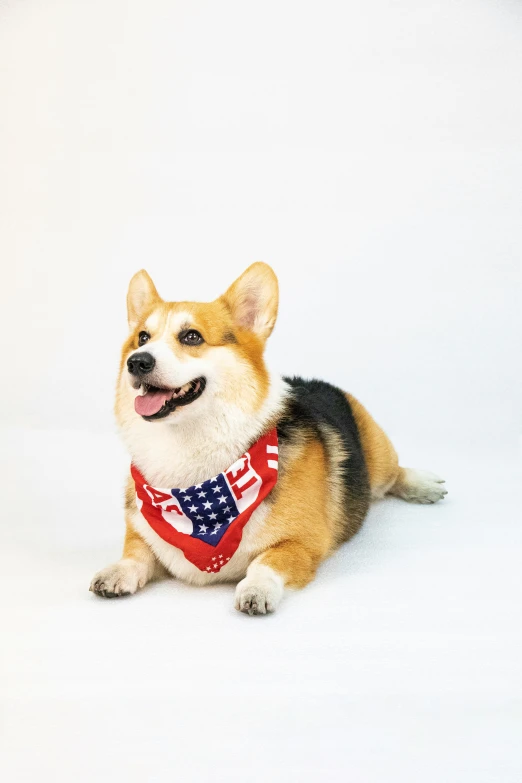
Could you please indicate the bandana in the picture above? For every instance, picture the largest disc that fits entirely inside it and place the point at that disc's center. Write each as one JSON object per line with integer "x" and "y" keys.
{"x": 206, "y": 521}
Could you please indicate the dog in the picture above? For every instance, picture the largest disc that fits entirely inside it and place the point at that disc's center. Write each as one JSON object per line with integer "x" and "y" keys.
{"x": 238, "y": 475}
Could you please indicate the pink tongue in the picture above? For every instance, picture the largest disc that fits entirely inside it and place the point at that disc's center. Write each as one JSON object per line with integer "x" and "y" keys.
{"x": 150, "y": 403}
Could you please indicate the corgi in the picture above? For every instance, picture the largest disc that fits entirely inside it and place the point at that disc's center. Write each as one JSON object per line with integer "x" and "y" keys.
{"x": 238, "y": 475}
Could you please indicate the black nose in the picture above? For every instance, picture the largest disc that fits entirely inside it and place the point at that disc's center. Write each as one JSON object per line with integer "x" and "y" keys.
{"x": 140, "y": 363}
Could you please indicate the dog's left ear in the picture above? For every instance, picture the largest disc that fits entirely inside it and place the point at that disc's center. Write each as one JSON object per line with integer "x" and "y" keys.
{"x": 141, "y": 297}
{"x": 253, "y": 299}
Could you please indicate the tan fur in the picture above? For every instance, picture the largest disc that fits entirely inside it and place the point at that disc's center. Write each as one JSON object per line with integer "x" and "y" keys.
{"x": 141, "y": 297}
{"x": 381, "y": 458}
{"x": 298, "y": 520}
{"x": 135, "y": 548}
{"x": 253, "y": 300}
{"x": 401, "y": 484}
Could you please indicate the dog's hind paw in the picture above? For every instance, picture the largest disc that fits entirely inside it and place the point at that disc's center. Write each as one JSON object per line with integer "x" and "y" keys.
{"x": 419, "y": 486}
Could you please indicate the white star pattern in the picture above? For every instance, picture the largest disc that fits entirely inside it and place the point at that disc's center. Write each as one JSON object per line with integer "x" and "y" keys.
{"x": 217, "y": 563}
{"x": 211, "y": 507}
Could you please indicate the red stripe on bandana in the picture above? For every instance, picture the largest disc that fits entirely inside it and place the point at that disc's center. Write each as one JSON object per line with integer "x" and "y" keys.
{"x": 206, "y": 521}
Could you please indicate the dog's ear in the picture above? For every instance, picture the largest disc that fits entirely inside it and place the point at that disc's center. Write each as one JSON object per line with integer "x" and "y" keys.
{"x": 253, "y": 299}
{"x": 141, "y": 297}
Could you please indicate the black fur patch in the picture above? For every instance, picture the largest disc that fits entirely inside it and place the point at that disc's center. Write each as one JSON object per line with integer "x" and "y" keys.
{"x": 314, "y": 408}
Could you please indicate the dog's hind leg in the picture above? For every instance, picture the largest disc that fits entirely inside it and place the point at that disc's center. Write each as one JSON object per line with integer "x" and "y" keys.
{"x": 385, "y": 475}
{"x": 418, "y": 486}
{"x": 381, "y": 458}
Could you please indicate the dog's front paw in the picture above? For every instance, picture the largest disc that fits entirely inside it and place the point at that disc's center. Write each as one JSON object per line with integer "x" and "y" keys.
{"x": 122, "y": 578}
{"x": 259, "y": 596}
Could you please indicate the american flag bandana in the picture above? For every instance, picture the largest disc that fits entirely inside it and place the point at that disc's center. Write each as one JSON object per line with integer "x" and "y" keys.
{"x": 206, "y": 521}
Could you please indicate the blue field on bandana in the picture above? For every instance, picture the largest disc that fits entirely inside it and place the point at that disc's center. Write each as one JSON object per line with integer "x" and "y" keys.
{"x": 211, "y": 508}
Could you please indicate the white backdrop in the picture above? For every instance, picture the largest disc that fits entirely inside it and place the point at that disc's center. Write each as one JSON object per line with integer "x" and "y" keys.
{"x": 371, "y": 153}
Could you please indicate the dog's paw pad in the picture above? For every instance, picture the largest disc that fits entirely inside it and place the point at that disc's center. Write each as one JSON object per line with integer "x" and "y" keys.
{"x": 261, "y": 597}
{"x": 117, "y": 580}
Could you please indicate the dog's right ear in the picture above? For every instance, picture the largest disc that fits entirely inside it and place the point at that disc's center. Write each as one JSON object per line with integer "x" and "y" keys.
{"x": 141, "y": 297}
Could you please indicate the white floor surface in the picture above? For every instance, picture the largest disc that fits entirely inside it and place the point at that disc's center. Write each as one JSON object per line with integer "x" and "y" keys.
{"x": 401, "y": 662}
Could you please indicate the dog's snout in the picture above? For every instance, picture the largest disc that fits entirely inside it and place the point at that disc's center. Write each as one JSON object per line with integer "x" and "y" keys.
{"x": 140, "y": 363}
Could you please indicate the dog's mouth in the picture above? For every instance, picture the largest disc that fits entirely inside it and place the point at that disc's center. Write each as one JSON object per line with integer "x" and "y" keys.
{"x": 155, "y": 403}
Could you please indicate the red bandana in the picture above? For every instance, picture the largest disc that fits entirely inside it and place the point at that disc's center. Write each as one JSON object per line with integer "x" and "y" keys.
{"x": 206, "y": 521}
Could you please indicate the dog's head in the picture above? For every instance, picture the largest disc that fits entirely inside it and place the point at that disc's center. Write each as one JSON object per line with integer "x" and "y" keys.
{"x": 181, "y": 356}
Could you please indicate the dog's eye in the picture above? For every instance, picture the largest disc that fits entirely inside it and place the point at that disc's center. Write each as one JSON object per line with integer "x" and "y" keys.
{"x": 143, "y": 338}
{"x": 190, "y": 337}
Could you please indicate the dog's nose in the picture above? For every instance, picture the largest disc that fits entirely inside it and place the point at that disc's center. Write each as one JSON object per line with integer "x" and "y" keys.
{"x": 140, "y": 363}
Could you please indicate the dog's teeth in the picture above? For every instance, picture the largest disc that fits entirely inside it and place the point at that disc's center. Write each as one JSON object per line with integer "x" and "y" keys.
{"x": 181, "y": 391}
